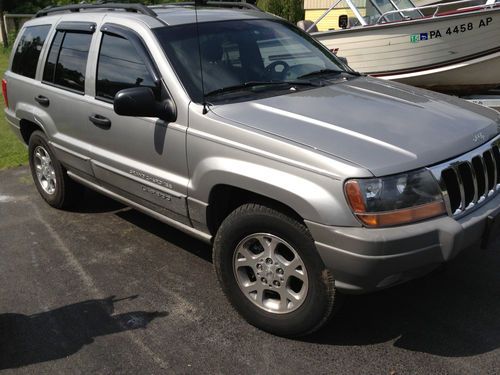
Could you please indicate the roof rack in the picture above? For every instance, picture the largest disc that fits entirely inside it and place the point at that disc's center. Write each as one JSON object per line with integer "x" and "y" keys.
{"x": 216, "y": 3}
{"x": 143, "y": 9}
{"x": 138, "y": 8}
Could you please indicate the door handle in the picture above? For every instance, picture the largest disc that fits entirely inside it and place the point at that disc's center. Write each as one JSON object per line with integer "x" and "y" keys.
{"x": 42, "y": 100}
{"x": 100, "y": 121}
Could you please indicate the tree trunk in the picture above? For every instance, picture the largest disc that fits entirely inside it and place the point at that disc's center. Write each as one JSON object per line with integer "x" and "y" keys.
{"x": 5, "y": 38}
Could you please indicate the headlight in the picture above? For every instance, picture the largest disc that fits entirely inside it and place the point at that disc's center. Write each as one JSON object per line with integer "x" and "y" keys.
{"x": 395, "y": 200}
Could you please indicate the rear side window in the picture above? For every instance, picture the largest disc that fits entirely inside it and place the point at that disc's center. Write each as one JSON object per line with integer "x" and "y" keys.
{"x": 28, "y": 50}
{"x": 67, "y": 60}
{"x": 120, "y": 67}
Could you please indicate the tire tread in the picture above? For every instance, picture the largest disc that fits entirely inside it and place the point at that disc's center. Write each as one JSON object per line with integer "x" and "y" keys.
{"x": 258, "y": 209}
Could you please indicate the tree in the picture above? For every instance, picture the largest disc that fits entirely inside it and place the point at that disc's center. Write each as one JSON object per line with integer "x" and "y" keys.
{"x": 290, "y": 10}
{"x": 3, "y": 32}
{"x": 33, "y": 6}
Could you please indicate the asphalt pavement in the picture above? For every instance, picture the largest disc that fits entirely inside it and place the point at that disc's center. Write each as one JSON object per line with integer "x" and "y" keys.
{"x": 105, "y": 289}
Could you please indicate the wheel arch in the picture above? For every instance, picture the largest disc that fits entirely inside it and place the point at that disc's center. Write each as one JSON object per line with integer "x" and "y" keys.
{"x": 27, "y": 127}
{"x": 224, "y": 199}
{"x": 33, "y": 118}
{"x": 224, "y": 184}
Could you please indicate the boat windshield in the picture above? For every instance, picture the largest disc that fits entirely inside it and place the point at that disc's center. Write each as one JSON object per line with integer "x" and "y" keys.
{"x": 376, "y": 8}
{"x": 372, "y": 10}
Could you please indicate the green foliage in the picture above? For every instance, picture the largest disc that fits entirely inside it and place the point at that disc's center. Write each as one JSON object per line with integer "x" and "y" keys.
{"x": 291, "y": 10}
{"x": 32, "y": 6}
{"x": 12, "y": 37}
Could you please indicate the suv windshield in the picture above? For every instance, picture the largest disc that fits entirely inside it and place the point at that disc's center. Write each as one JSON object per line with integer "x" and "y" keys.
{"x": 238, "y": 56}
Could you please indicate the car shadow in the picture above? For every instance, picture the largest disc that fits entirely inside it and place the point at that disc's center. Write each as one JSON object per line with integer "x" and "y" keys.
{"x": 453, "y": 312}
{"x": 58, "y": 333}
{"x": 167, "y": 233}
{"x": 93, "y": 202}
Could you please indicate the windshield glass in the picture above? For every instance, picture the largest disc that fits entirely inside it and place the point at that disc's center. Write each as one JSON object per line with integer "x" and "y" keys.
{"x": 236, "y": 53}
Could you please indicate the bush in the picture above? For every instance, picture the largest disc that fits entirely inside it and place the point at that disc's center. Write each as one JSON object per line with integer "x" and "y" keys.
{"x": 290, "y": 10}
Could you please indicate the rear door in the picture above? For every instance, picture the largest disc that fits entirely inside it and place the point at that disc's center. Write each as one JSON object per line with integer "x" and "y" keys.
{"x": 143, "y": 159}
{"x": 60, "y": 97}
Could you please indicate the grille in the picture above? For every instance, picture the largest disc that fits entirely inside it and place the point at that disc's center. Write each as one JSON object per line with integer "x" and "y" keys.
{"x": 471, "y": 179}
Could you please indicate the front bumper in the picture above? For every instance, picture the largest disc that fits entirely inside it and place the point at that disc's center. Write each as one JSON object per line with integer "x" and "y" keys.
{"x": 363, "y": 259}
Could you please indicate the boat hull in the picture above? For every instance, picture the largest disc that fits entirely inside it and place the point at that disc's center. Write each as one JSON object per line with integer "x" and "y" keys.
{"x": 473, "y": 76}
{"x": 455, "y": 53}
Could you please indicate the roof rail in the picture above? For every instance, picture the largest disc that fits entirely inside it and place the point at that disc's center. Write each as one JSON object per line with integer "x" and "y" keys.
{"x": 138, "y": 8}
{"x": 222, "y": 4}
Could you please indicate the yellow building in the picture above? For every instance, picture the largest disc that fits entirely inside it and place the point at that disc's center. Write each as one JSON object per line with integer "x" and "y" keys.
{"x": 315, "y": 8}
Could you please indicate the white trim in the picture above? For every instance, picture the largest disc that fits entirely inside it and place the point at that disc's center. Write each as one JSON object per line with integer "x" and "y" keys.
{"x": 441, "y": 69}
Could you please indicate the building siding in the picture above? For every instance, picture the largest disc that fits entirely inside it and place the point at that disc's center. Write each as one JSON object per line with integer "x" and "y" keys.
{"x": 331, "y": 21}
{"x": 325, "y": 4}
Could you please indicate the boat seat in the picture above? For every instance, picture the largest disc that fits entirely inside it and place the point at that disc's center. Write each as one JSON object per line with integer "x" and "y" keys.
{"x": 306, "y": 24}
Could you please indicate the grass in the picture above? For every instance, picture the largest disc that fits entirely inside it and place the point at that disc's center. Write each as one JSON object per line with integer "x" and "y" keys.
{"x": 12, "y": 151}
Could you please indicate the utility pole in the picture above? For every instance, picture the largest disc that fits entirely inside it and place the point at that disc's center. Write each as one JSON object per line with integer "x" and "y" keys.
{"x": 5, "y": 39}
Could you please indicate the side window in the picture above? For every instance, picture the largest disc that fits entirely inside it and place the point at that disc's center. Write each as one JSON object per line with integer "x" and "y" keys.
{"x": 50, "y": 65}
{"x": 120, "y": 67}
{"x": 28, "y": 50}
{"x": 67, "y": 60}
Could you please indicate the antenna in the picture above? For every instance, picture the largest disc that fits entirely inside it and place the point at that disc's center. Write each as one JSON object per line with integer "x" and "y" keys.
{"x": 197, "y": 3}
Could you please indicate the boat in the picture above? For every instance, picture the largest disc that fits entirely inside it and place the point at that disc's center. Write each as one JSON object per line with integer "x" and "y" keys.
{"x": 450, "y": 47}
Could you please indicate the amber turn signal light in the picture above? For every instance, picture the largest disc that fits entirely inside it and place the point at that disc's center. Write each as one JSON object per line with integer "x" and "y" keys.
{"x": 403, "y": 216}
{"x": 389, "y": 218}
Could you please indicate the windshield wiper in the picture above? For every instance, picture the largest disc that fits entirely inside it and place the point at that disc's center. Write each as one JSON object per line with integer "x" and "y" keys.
{"x": 321, "y": 72}
{"x": 252, "y": 84}
{"x": 329, "y": 71}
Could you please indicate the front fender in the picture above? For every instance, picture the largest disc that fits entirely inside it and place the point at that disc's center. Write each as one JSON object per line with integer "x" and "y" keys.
{"x": 312, "y": 196}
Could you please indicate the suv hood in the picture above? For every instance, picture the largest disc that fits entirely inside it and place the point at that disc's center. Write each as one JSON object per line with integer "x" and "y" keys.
{"x": 383, "y": 126}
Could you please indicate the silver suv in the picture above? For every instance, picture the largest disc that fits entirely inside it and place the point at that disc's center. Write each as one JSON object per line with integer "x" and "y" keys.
{"x": 241, "y": 130}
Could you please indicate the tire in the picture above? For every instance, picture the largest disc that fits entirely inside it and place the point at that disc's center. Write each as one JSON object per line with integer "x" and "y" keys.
{"x": 54, "y": 185}
{"x": 239, "y": 243}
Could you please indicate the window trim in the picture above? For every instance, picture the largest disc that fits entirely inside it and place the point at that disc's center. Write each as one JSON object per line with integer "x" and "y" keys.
{"x": 81, "y": 93}
{"x": 137, "y": 42}
{"x": 57, "y": 58}
{"x": 66, "y": 31}
{"x": 77, "y": 26}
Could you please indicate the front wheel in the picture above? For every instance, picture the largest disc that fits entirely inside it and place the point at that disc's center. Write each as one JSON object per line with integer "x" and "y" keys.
{"x": 269, "y": 269}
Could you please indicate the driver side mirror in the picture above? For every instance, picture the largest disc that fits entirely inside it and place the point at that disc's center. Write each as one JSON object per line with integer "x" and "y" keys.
{"x": 141, "y": 102}
{"x": 343, "y": 21}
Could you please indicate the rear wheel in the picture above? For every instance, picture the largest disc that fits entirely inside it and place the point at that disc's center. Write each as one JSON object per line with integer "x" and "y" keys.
{"x": 268, "y": 267}
{"x": 49, "y": 175}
